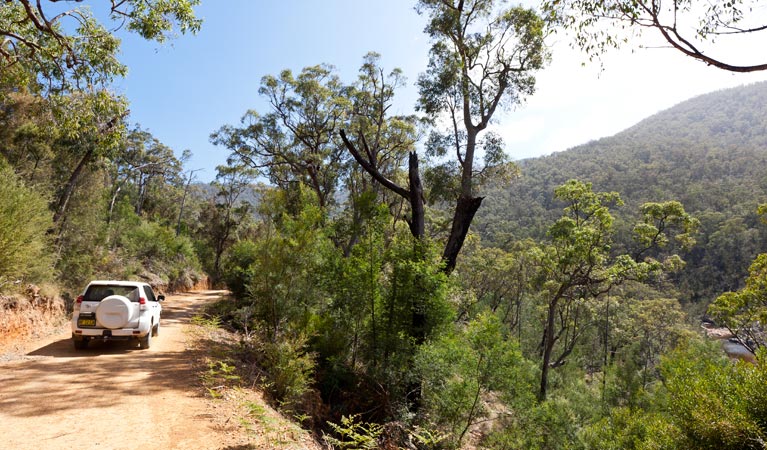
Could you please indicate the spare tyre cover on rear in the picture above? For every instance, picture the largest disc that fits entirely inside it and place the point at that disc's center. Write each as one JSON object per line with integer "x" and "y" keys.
{"x": 114, "y": 311}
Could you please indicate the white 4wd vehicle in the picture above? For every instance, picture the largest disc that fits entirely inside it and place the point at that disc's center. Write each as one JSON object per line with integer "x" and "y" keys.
{"x": 116, "y": 310}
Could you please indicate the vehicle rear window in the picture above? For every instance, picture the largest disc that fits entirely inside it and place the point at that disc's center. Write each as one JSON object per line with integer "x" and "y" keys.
{"x": 96, "y": 293}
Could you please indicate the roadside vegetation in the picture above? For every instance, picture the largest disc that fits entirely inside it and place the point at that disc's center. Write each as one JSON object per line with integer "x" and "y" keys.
{"x": 388, "y": 288}
{"x": 236, "y": 392}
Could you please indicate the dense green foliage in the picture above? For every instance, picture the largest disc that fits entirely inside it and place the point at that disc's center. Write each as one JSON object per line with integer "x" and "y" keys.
{"x": 564, "y": 324}
{"x": 71, "y": 48}
{"x": 292, "y": 282}
{"x": 112, "y": 190}
{"x": 744, "y": 312}
{"x": 112, "y": 193}
{"x": 705, "y": 402}
{"x": 24, "y": 220}
{"x": 557, "y": 329}
{"x": 352, "y": 340}
{"x": 707, "y": 153}
{"x": 462, "y": 367}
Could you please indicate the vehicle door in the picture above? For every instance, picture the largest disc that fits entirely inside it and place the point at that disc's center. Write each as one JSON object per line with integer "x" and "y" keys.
{"x": 153, "y": 304}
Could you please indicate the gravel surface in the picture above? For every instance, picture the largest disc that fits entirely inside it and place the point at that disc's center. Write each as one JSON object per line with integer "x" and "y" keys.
{"x": 115, "y": 396}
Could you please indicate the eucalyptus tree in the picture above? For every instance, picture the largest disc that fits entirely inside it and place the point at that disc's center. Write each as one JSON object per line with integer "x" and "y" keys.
{"x": 576, "y": 268}
{"x": 66, "y": 55}
{"x": 69, "y": 47}
{"x": 296, "y": 140}
{"x": 386, "y": 140}
{"x": 483, "y": 57}
{"x": 229, "y": 210}
{"x": 140, "y": 162}
{"x": 91, "y": 126}
{"x": 744, "y": 312}
{"x": 578, "y": 265}
{"x": 646, "y": 329}
{"x": 27, "y": 131}
{"x": 662, "y": 225}
{"x": 52, "y": 141}
{"x": 693, "y": 27}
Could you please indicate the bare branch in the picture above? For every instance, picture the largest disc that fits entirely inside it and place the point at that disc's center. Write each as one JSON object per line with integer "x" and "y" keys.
{"x": 370, "y": 169}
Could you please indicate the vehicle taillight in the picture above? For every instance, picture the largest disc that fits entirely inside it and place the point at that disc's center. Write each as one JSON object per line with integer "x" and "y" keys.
{"x": 79, "y": 301}
{"x": 142, "y": 303}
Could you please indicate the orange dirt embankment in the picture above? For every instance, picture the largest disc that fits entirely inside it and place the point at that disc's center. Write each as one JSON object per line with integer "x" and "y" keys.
{"x": 116, "y": 396}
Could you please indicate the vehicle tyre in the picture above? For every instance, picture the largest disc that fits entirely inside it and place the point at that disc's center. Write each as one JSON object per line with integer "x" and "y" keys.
{"x": 114, "y": 312}
{"x": 146, "y": 341}
{"x": 156, "y": 329}
{"x": 80, "y": 344}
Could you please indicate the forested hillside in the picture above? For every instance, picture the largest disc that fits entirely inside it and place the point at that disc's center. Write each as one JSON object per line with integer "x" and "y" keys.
{"x": 393, "y": 283}
{"x": 709, "y": 153}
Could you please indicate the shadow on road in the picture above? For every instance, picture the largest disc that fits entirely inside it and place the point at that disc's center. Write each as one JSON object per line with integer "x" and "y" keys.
{"x": 63, "y": 379}
{"x": 47, "y": 386}
{"x": 64, "y": 348}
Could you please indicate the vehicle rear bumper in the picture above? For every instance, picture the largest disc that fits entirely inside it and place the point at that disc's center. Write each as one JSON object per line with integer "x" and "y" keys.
{"x": 104, "y": 333}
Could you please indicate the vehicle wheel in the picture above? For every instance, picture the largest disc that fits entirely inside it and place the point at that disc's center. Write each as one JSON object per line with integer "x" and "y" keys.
{"x": 80, "y": 344}
{"x": 156, "y": 330}
{"x": 146, "y": 341}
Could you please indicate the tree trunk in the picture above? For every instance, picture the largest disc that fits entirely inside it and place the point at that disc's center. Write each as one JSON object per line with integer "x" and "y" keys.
{"x": 467, "y": 205}
{"x": 465, "y": 209}
{"x": 220, "y": 247}
{"x": 548, "y": 346}
{"x": 69, "y": 188}
{"x": 112, "y": 203}
{"x": 416, "y": 197}
{"x": 183, "y": 202}
{"x": 142, "y": 182}
{"x": 355, "y": 231}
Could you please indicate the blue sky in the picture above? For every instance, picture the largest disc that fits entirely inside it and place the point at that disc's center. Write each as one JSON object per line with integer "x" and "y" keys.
{"x": 184, "y": 90}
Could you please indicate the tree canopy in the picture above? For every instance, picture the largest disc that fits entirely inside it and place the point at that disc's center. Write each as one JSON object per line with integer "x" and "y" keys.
{"x": 692, "y": 27}
{"x": 484, "y": 56}
{"x": 564, "y": 324}
{"x": 66, "y": 46}
{"x": 707, "y": 153}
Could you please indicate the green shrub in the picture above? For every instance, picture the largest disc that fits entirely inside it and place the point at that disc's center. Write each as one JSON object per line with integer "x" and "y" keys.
{"x": 716, "y": 403}
{"x": 291, "y": 370}
{"x": 463, "y": 370}
{"x": 285, "y": 368}
{"x": 239, "y": 267}
{"x": 354, "y": 435}
{"x": 550, "y": 425}
{"x": 24, "y": 222}
{"x": 627, "y": 429}
{"x": 159, "y": 251}
{"x": 280, "y": 275}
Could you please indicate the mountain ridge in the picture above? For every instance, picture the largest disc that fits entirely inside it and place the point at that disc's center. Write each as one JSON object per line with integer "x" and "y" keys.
{"x": 708, "y": 152}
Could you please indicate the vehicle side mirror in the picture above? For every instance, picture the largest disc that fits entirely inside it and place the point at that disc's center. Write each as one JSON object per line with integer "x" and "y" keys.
{"x": 160, "y": 298}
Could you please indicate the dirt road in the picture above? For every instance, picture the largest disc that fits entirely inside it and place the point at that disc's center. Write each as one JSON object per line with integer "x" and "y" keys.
{"x": 114, "y": 395}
